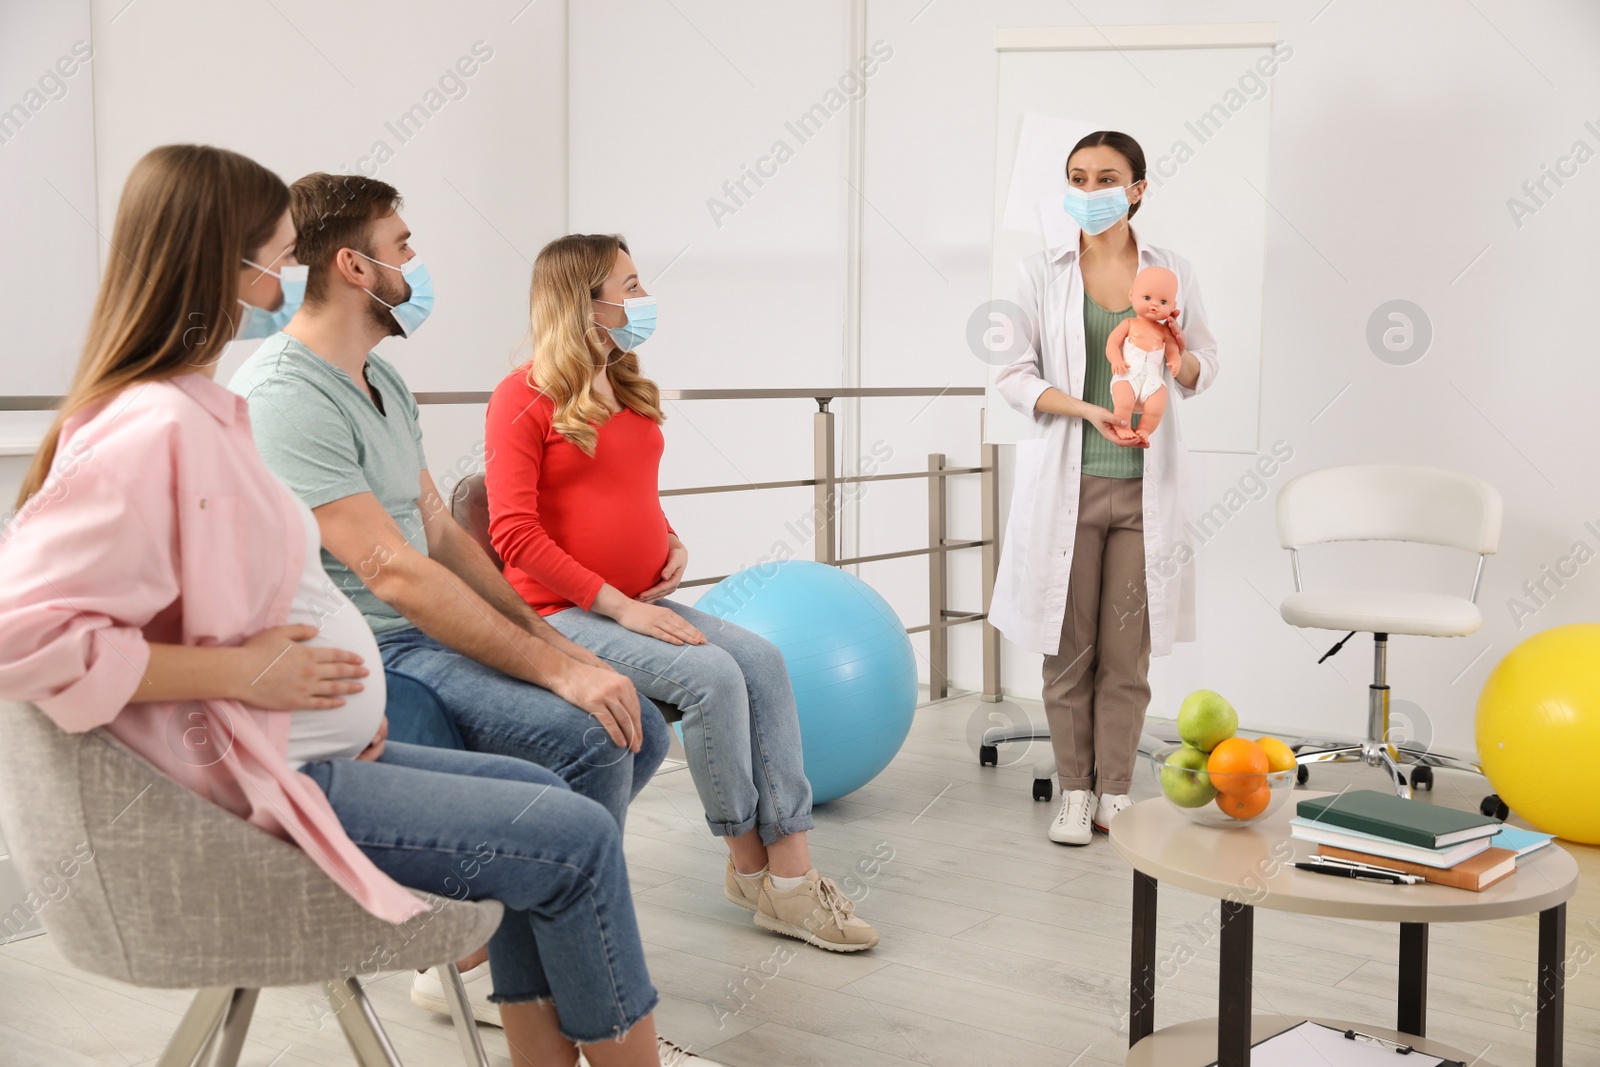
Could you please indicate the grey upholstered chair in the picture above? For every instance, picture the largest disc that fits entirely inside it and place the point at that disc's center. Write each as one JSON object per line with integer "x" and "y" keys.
{"x": 180, "y": 894}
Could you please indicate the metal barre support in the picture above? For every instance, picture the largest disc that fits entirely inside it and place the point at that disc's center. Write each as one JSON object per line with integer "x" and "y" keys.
{"x": 49, "y": 402}
{"x": 938, "y": 625}
{"x": 801, "y": 483}
{"x": 824, "y": 483}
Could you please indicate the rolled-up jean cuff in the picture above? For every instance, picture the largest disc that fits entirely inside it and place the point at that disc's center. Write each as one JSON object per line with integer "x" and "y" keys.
{"x": 520, "y": 998}
{"x": 617, "y": 1034}
{"x": 797, "y": 825}
{"x": 731, "y": 829}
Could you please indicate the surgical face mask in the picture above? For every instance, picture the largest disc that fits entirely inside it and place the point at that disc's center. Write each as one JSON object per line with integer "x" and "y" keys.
{"x": 1098, "y": 211}
{"x": 259, "y": 322}
{"x": 641, "y": 312}
{"x": 411, "y": 312}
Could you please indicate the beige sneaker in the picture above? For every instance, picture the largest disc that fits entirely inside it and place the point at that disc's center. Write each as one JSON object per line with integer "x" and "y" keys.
{"x": 745, "y": 892}
{"x": 814, "y": 911}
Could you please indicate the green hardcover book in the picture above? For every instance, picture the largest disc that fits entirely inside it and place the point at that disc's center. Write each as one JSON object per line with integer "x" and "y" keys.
{"x": 1409, "y": 821}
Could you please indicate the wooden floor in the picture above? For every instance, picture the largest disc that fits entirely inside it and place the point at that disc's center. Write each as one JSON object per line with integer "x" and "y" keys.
{"x": 998, "y": 947}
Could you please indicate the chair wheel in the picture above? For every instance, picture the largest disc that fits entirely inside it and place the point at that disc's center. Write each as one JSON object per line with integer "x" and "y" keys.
{"x": 1422, "y": 778}
{"x": 1494, "y": 807}
{"x": 1302, "y": 774}
{"x": 1043, "y": 789}
{"x": 988, "y": 756}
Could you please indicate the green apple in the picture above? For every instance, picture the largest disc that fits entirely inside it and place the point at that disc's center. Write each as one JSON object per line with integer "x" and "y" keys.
{"x": 1206, "y": 719}
{"x": 1184, "y": 779}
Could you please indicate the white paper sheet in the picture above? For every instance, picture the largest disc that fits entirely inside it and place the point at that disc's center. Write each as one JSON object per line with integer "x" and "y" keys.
{"x": 1039, "y": 173}
{"x": 1314, "y": 1045}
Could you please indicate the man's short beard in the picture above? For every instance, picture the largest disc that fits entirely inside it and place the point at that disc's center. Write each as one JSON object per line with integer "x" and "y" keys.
{"x": 381, "y": 316}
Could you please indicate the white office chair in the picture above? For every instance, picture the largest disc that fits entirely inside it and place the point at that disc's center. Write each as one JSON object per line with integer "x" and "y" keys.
{"x": 1386, "y": 503}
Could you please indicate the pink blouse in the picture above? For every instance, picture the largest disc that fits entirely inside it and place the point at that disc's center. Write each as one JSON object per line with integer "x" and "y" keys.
{"x": 159, "y": 522}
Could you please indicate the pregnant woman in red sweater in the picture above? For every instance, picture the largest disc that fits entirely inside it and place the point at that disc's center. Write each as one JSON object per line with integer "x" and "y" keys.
{"x": 573, "y": 453}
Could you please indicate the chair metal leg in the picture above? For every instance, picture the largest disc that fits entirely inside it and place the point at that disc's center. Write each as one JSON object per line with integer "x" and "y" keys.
{"x": 1321, "y": 742}
{"x": 360, "y": 1024}
{"x": 999, "y": 735}
{"x": 193, "y": 1038}
{"x": 1336, "y": 753}
{"x": 1396, "y": 775}
{"x": 235, "y": 1024}
{"x": 1429, "y": 758}
{"x": 1377, "y": 750}
{"x": 455, "y": 995}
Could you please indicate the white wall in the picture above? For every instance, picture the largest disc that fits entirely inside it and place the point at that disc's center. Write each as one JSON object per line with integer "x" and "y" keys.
{"x": 1398, "y": 134}
{"x": 47, "y": 182}
{"x": 305, "y": 86}
{"x": 668, "y": 103}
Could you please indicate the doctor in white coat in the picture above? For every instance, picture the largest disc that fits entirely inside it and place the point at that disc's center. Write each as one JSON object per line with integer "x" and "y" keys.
{"x": 1096, "y": 572}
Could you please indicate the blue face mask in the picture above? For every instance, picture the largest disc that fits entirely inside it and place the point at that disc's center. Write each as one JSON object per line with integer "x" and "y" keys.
{"x": 1098, "y": 211}
{"x": 411, "y": 312}
{"x": 259, "y": 322}
{"x": 641, "y": 312}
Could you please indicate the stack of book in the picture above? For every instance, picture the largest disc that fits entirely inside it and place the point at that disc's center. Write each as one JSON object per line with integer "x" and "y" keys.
{"x": 1442, "y": 845}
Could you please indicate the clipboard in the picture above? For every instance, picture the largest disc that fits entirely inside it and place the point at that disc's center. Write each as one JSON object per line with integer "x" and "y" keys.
{"x": 1310, "y": 1044}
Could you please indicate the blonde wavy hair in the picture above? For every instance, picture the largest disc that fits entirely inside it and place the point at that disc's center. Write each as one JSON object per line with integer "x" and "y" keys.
{"x": 569, "y": 347}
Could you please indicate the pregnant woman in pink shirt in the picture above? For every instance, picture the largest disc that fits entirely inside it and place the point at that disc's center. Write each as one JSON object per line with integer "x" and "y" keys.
{"x": 159, "y": 582}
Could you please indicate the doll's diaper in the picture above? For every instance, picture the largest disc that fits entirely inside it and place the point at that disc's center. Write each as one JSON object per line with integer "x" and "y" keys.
{"x": 1144, "y": 369}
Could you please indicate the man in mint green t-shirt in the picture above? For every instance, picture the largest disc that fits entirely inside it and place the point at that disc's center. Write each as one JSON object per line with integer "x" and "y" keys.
{"x": 336, "y": 422}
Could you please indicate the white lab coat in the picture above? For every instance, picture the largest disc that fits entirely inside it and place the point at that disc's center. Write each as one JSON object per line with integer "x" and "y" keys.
{"x": 1030, "y": 594}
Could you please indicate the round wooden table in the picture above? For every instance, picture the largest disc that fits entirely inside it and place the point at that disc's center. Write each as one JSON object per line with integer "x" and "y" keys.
{"x": 1251, "y": 867}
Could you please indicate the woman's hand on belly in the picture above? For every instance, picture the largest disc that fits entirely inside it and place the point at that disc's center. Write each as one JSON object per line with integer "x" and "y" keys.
{"x": 671, "y": 574}
{"x": 279, "y": 672}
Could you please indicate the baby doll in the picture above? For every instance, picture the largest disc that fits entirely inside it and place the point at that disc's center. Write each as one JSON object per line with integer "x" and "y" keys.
{"x": 1139, "y": 346}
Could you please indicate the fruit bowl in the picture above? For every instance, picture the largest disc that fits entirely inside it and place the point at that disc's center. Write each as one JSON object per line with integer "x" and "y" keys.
{"x": 1226, "y": 800}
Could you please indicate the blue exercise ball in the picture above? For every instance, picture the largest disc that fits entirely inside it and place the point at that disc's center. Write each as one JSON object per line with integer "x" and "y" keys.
{"x": 849, "y": 660}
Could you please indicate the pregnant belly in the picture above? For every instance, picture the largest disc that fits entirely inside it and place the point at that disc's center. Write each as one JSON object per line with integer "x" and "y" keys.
{"x": 343, "y": 732}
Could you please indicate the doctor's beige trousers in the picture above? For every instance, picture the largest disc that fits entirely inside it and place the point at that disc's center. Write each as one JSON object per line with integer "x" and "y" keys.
{"x": 1097, "y": 685}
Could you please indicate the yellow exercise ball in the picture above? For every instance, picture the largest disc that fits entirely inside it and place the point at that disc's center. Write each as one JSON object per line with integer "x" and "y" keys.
{"x": 1538, "y": 731}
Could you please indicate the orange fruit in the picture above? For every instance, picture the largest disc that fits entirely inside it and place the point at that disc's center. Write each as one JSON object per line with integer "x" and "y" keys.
{"x": 1280, "y": 757}
{"x": 1238, "y": 765}
{"x": 1245, "y": 805}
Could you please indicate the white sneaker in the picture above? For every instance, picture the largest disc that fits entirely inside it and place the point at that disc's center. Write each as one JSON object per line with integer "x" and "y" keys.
{"x": 1111, "y": 804}
{"x": 1072, "y": 823}
{"x": 673, "y": 1055}
{"x": 427, "y": 993}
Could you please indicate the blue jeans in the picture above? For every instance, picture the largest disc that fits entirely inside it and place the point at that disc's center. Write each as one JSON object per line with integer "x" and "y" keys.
{"x": 741, "y": 733}
{"x": 481, "y": 827}
{"x": 507, "y": 716}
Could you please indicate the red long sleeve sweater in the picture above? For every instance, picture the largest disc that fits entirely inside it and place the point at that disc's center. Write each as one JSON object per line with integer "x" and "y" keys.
{"x": 565, "y": 523}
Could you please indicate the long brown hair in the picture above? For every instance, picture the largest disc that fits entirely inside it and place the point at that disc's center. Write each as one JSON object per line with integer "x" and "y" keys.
{"x": 569, "y": 346}
{"x": 168, "y": 300}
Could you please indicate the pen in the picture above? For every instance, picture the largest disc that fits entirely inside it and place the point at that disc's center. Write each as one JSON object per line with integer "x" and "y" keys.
{"x": 1359, "y": 875}
{"x": 1369, "y": 868}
